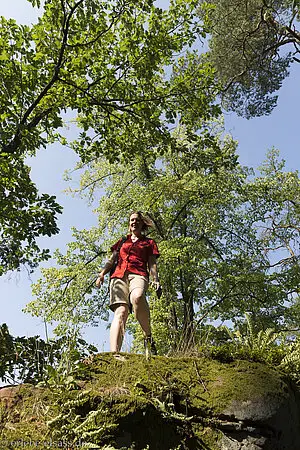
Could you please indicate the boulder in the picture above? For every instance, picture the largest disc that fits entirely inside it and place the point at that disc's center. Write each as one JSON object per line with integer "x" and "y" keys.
{"x": 160, "y": 404}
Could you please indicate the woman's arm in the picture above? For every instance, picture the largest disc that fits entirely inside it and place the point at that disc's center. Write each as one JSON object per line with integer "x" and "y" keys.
{"x": 108, "y": 265}
{"x": 154, "y": 275}
{"x": 153, "y": 269}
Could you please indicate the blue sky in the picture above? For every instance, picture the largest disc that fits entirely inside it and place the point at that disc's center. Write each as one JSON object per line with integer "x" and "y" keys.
{"x": 255, "y": 137}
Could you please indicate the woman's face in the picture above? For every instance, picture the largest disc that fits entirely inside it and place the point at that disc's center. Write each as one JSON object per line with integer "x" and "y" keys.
{"x": 135, "y": 224}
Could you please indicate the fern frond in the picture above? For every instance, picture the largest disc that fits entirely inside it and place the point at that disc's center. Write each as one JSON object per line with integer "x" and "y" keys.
{"x": 99, "y": 432}
{"x": 264, "y": 339}
{"x": 250, "y": 329}
{"x": 90, "y": 421}
{"x": 269, "y": 337}
{"x": 292, "y": 358}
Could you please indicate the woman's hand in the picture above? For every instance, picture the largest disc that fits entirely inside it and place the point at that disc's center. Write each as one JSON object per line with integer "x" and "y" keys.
{"x": 106, "y": 269}
{"x": 100, "y": 279}
{"x": 155, "y": 284}
{"x": 158, "y": 289}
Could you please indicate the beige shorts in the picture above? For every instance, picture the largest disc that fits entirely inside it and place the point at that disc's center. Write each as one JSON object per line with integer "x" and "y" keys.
{"x": 121, "y": 288}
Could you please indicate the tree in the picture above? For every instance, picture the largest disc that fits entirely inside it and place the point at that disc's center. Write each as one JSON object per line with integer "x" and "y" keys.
{"x": 181, "y": 193}
{"x": 105, "y": 61}
{"x": 215, "y": 229}
{"x": 251, "y": 46}
{"x": 274, "y": 205}
{"x": 106, "y": 64}
{"x": 182, "y": 181}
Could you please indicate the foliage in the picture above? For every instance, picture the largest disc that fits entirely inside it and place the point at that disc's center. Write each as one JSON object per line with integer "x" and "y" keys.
{"x": 180, "y": 182}
{"x": 32, "y": 360}
{"x": 115, "y": 68}
{"x": 87, "y": 56}
{"x": 107, "y": 64}
{"x": 251, "y": 46}
{"x": 248, "y": 342}
{"x": 291, "y": 361}
{"x": 216, "y": 235}
{"x": 6, "y": 347}
{"x": 25, "y": 215}
{"x": 262, "y": 340}
{"x": 228, "y": 352}
{"x": 265, "y": 225}
{"x": 67, "y": 292}
{"x": 71, "y": 426}
{"x": 217, "y": 229}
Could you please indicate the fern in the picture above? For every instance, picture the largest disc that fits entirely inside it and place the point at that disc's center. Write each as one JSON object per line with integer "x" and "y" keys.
{"x": 98, "y": 432}
{"x": 250, "y": 343}
{"x": 257, "y": 341}
{"x": 90, "y": 421}
{"x": 74, "y": 427}
{"x": 291, "y": 362}
{"x": 251, "y": 338}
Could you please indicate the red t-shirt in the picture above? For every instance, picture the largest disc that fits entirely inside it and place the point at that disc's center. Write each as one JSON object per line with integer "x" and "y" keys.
{"x": 134, "y": 256}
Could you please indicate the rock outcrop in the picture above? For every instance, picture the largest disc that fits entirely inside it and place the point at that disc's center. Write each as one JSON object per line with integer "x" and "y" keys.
{"x": 161, "y": 404}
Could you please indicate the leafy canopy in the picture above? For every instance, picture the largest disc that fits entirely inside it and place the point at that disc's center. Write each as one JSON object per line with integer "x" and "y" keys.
{"x": 108, "y": 64}
{"x": 252, "y": 45}
{"x": 25, "y": 215}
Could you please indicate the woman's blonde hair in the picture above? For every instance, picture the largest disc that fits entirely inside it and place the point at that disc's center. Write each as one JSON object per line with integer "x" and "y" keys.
{"x": 147, "y": 222}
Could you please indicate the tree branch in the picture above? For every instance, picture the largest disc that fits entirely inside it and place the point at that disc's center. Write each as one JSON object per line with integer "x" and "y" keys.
{"x": 11, "y": 147}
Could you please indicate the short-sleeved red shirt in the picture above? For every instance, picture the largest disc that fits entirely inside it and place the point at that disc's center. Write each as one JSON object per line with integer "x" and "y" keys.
{"x": 134, "y": 256}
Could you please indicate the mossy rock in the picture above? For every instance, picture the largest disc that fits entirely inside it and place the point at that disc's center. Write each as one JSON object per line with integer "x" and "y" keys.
{"x": 24, "y": 410}
{"x": 160, "y": 404}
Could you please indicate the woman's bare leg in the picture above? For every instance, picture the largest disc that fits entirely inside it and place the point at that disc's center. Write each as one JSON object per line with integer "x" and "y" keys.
{"x": 141, "y": 310}
{"x": 117, "y": 328}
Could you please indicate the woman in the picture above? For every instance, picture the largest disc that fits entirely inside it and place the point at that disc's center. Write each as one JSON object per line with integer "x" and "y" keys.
{"x": 136, "y": 255}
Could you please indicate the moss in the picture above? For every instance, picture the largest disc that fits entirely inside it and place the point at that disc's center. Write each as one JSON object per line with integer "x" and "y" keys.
{"x": 205, "y": 382}
{"x": 238, "y": 381}
{"x": 164, "y": 403}
{"x": 23, "y": 416}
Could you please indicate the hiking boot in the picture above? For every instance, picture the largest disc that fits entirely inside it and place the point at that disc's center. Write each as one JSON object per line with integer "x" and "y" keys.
{"x": 150, "y": 347}
{"x": 118, "y": 357}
